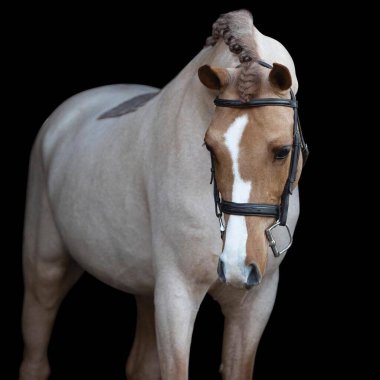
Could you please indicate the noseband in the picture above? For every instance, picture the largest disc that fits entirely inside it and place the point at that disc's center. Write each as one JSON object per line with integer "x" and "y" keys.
{"x": 280, "y": 212}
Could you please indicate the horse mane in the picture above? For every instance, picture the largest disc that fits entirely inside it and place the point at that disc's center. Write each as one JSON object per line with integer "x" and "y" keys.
{"x": 236, "y": 29}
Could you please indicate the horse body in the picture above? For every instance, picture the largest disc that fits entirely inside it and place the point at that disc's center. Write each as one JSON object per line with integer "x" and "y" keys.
{"x": 128, "y": 199}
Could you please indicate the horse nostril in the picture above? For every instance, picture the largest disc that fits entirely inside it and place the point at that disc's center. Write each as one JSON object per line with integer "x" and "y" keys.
{"x": 254, "y": 277}
{"x": 221, "y": 274}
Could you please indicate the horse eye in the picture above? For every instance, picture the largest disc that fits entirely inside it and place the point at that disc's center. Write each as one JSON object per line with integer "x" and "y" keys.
{"x": 282, "y": 153}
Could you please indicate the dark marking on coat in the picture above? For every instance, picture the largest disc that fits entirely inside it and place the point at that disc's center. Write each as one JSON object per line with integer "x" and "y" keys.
{"x": 128, "y": 106}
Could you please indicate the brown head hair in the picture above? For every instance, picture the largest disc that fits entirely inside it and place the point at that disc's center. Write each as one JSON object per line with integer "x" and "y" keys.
{"x": 236, "y": 29}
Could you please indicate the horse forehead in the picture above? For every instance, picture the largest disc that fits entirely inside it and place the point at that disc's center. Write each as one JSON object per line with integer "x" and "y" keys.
{"x": 272, "y": 118}
{"x": 250, "y": 125}
{"x": 223, "y": 120}
{"x": 234, "y": 132}
{"x": 266, "y": 127}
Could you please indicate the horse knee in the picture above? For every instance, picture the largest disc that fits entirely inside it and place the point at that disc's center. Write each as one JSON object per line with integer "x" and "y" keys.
{"x": 47, "y": 282}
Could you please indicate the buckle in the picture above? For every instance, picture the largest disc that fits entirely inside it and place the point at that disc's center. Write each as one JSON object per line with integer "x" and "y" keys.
{"x": 272, "y": 241}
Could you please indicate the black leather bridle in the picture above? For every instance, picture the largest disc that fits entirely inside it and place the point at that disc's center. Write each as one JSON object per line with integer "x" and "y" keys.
{"x": 279, "y": 212}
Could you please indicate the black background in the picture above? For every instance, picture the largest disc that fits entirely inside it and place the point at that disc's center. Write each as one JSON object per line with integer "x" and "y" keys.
{"x": 55, "y": 53}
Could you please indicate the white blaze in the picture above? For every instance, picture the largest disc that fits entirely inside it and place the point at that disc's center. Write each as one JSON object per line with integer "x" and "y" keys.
{"x": 234, "y": 252}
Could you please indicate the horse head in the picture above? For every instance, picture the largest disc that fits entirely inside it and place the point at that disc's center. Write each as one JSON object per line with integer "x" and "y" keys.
{"x": 252, "y": 152}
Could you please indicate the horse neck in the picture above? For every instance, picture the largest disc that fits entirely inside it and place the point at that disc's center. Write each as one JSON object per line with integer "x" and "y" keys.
{"x": 187, "y": 85}
{"x": 188, "y": 104}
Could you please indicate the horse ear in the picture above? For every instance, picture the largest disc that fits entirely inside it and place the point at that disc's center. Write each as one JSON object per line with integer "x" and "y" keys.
{"x": 279, "y": 77}
{"x": 213, "y": 77}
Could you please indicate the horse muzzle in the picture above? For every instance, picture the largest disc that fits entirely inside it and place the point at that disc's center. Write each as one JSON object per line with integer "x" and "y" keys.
{"x": 252, "y": 276}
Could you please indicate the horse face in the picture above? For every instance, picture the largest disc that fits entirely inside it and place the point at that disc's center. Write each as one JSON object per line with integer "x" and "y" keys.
{"x": 252, "y": 150}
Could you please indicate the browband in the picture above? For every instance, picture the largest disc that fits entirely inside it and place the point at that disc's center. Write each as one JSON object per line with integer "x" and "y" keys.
{"x": 233, "y": 103}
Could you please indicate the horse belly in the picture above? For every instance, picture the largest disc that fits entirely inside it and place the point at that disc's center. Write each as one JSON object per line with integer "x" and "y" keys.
{"x": 125, "y": 264}
{"x": 105, "y": 233}
{"x": 96, "y": 193}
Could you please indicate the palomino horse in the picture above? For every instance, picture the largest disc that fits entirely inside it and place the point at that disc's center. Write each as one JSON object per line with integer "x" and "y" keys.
{"x": 119, "y": 187}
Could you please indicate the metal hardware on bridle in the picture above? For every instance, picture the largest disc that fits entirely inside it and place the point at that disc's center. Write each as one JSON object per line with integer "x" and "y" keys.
{"x": 280, "y": 212}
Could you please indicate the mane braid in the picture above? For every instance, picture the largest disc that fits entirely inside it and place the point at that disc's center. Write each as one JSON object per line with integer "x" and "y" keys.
{"x": 236, "y": 29}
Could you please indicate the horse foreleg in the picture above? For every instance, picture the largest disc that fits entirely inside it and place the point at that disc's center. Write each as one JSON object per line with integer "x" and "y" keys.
{"x": 176, "y": 306}
{"x": 246, "y": 315}
{"x": 45, "y": 288}
{"x": 143, "y": 362}
{"x": 49, "y": 272}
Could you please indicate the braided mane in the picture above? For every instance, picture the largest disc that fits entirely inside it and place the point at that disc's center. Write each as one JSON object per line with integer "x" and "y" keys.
{"x": 236, "y": 29}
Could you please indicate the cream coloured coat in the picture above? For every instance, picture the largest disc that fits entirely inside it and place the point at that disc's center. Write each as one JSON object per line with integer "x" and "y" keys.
{"x": 128, "y": 199}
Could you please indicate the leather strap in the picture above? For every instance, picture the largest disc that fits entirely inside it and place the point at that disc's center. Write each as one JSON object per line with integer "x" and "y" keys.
{"x": 265, "y": 64}
{"x": 292, "y": 169}
{"x": 249, "y": 209}
{"x": 233, "y": 103}
{"x": 217, "y": 200}
{"x": 304, "y": 147}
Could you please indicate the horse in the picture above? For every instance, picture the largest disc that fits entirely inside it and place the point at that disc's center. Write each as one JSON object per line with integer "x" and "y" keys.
{"x": 119, "y": 187}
